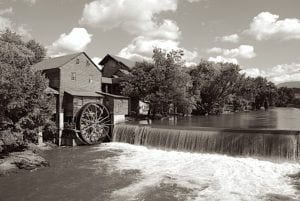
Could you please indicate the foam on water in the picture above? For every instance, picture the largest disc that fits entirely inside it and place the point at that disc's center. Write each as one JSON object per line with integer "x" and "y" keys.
{"x": 206, "y": 176}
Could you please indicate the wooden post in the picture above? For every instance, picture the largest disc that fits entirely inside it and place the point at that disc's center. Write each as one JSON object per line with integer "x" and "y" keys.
{"x": 40, "y": 135}
{"x": 60, "y": 127}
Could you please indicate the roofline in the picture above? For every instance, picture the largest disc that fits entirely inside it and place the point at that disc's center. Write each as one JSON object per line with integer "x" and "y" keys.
{"x": 69, "y": 60}
{"x": 109, "y": 56}
{"x": 59, "y": 67}
{"x": 92, "y": 62}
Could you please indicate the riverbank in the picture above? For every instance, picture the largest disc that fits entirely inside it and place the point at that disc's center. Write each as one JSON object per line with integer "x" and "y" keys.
{"x": 29, "y": 159}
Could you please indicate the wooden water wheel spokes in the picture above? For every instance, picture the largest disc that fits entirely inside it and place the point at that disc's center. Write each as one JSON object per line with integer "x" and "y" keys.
{"x": 93, "y": 122}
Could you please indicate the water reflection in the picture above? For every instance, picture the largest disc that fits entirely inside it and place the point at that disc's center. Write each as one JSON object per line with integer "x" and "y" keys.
{"x": 277, "y": 118}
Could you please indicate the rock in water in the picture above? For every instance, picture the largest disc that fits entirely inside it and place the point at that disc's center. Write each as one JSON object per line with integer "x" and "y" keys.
{"x": 28, "y": 160}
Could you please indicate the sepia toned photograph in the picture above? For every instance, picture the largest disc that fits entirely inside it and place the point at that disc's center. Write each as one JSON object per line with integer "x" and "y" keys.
{"x": 149, "y": 100}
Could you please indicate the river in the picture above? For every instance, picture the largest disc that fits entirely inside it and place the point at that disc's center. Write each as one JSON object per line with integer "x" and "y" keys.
{"x": 124, "y": 172}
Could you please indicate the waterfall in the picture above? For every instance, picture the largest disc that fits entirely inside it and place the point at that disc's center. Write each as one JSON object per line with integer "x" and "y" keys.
{"x": 242, "y": 142}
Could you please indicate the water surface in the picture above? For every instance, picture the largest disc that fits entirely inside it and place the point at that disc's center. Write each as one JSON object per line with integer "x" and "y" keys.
{"x": 119, "y": 172}
{"x": 276, "y": 118}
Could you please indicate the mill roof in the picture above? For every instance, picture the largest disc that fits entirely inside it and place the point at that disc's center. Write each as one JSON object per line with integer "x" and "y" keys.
{"x": 57, "y": 62}
{"x": 126, "y": 62}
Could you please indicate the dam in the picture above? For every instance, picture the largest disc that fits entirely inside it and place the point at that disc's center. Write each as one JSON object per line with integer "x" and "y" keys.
{"x": 274, "y": 134}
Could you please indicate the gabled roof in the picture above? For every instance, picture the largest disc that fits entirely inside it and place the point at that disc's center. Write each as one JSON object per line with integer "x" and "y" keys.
{"x": 55, "y": 62}
{"x": 125, "y": 62}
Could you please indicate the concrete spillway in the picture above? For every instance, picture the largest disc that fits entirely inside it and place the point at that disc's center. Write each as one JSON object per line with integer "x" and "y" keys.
{"x": 242, "y": 142}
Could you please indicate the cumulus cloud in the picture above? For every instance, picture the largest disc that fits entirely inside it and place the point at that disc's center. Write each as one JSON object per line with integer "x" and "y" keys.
{"x": 6, "y": 11}
{"x": 76, "y": 41}
{"x": 148, "y": 29}
{"x": 141, "y": 49}
{"x": 231, "y": 55}
{"x": 108, "y": 14}
{"x": 277, "y": 74}
{"x": 243, "y": 51}
{"x": 267, "y": 26}
{"x": 221, "y": 59}
{"x": 233, "y": 38}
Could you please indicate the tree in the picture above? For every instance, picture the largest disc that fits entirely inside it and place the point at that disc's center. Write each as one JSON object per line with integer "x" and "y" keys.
{"x": 37, "y": 49}
{"x": 161, "y": 83}
{"x": 286, "y": 96}
{"x": 23, "y": 102}
{"x": 212, "y": 84}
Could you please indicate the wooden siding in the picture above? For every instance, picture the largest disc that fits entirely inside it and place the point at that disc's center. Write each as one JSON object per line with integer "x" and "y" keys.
{"x": 79, "y": 102}
{"x": 116, "y": 106}
{"x": 84, "y": 73}
{"x": 110, "y": 68}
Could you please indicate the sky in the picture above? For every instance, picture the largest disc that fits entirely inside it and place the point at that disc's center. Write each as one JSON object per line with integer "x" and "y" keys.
{"x": 262, "y": 36}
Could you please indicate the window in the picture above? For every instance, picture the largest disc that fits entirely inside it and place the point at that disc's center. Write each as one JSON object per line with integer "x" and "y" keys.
{"x": 73, "y": 76}
{"x": 90, "y": 79}
{"x": 87, "y": 63}
{"x": 77, "y": 61}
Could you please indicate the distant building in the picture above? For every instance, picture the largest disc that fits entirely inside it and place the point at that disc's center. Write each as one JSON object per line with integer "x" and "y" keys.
{"x": 114, "y": 68}
{"x": 113, "y": 71}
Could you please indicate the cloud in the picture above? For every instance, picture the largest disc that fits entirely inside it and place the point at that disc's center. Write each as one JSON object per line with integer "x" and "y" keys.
{"x": 30, "y": 2}
{"x": 268, "y": 26}
{"x": 109, "y": 14}
{"x": 6, "y": 23}
{"x": 216, "y": 50}
{"x": 277, "y": 74}
{"x": 148, "y": 29}
{"x": 6, "y": 11}
{"x": 233, "y": 38}
{"x": 221, "y": 59}
{"x": 141, "y": 49}
{"x": 243, "y": 51}
{"x": 96, "y": 61}
{"x": 76, "y": 41}
{"x": 231, "y": 55}
{"x": 24, "y": 32}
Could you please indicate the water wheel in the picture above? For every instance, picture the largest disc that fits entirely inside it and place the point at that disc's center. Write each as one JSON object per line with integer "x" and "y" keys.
{"x": 93, "y": 122}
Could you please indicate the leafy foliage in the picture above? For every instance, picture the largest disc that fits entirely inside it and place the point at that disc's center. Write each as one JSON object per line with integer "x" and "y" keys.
{"x": 212, "y": 85}
{"x": 23, "y": 103}
{"x": 206, "y": 88}
{"x": 161, "y": 83}
{"x": 285, "y": 96}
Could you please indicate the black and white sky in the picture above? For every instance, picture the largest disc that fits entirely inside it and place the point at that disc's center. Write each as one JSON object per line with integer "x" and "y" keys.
{"x": 262, "y": 36}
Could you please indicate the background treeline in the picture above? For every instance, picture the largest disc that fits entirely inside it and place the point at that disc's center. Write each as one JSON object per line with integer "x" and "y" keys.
{"x": 170, "y": 87}
{"x": 24, "y": 105}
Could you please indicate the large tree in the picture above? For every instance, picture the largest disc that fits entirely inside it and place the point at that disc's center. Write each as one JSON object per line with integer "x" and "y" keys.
{"x": 212, "y": 84}
{"x": 23, "y": 102}
{"x": 161, "y": 83}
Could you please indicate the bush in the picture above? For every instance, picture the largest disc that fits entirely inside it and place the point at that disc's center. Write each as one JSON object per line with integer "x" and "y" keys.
{"x": 50, "y": 131}
{"x": 11, "y": 141}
